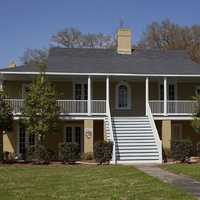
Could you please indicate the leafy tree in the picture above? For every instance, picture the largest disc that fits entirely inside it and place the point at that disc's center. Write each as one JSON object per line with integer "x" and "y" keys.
{"x": 168, "y": 35}
{"x": 6, "y": 116}
{"x": 6, "y": 119}
{"x": 41, "y": 112}
{"x": 34, "y": 56}
{"x": 74, "y": 38}
{"x": 196, "y": 116}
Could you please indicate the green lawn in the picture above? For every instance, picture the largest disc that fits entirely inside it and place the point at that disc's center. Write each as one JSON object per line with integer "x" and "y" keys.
{"x": 192, "y": 170}
{"x": 82, "y": 182}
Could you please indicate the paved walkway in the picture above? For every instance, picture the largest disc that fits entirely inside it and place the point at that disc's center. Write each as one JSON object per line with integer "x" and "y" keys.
{"x": 183, "y": 182}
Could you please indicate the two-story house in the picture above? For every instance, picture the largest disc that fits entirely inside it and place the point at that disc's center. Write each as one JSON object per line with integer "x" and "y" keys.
{"x": 139, "y": 99}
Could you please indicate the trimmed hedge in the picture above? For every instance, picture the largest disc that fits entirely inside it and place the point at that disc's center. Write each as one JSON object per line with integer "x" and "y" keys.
{"x": 198, "y": 149}
{"x": 70, "y": 152}
{"x": 39, "y": 154}
{"x": 182, "y": 150}
{"x": 1, "y": 152}
{"x": 103, "y": 151}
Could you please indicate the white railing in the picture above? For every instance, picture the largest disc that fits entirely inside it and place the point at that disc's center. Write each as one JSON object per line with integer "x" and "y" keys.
{"x": 66, "y": 106}
{"x": 181, "y": 107}
{"x": 72, "y": 106}
{"x": 15, "y": 104}
{"x": 98, "y": 106}
{"x": 157, "y": 106}
{"x": 173, "y": 107}
{"x": 111, "y": 133}
{"x": 155, "y": 132}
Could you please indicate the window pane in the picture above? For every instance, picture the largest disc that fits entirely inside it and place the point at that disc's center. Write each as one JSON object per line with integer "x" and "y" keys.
{"x": 22, "y": 141}
{"x": 123, "y": 96}
{"x": 85, "y": 91}
{"x": 78, "y": 91}
{"x": 68, "y": 134}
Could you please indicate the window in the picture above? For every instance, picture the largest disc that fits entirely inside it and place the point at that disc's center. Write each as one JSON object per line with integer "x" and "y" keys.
{"x": 25, "y": 89}
{"x": 171, "y": 91}
{"x": 80, "y": 91}
{"x": 197, "y": 91}
{"x": 24, "y": 141}
{"x": 123, "y": 96}
{"x": 176, "y": 132}
{"x": 68, "y": 136}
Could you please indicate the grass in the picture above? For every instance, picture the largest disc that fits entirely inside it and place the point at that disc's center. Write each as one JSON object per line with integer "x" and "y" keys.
{"x": 83, "y": 182}
{"x": 192, "y": 170}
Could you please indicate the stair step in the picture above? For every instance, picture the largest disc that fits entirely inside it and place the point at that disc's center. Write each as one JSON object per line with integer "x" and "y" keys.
{"x": 138, "y": 151}
{"x": 138, "y": 158}
{"x": 135, "y": 143}
{"x": 134, "y": 135}
{"x": 147, "y": 147}
{"x": 130, "y": 133}
{"x": 131, "y": 128}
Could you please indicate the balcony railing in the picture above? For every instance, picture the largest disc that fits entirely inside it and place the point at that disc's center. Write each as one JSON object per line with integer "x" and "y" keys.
{"x": 67, "y": 107}
{"x": 173, "y": 107}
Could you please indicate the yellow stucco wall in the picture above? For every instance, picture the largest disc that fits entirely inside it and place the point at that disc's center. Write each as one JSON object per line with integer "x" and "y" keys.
{"x": 166, "y": 135}
{"x": 88, "y": 135}
{"x": 10, "y": 139}
{"x": 186, "y": 90}
{"x": 99, "y": 90}
{"x": 137, "y": 99}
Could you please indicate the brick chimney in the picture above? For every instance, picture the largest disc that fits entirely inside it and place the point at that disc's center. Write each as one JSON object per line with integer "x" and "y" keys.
{"x": 124, "y": 44}
{"x": 12, "y": 64}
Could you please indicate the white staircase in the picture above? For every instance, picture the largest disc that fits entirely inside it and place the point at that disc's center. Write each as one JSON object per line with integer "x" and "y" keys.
{"x": 136, "y": 140}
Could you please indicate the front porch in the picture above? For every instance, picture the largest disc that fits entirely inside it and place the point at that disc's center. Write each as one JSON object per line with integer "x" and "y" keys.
{"x": 128, "y": 96}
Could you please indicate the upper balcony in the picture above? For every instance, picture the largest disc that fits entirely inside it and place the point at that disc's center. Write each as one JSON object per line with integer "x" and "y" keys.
{"x": 173, "y": 107}
{"x": 67, "y": 107}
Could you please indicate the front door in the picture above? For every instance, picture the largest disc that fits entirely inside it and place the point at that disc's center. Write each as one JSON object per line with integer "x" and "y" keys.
{"x": 74, "y": 133}
{"x": 25, "y": 140}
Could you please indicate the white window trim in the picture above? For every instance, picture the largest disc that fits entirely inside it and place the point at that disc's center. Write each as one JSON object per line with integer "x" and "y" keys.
{"x": 73, "y": 126}
{"x": 26, "y": 139}
{"x": 82, "y": 87}
{"x": 117, "y": 96}
{"x": 197, "y": 88}
{"x": 172, "y": 82}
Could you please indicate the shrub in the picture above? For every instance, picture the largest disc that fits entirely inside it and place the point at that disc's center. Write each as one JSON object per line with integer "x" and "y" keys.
{"x": 8, "y": 157}
{"x": 182, "y": 150}
{"x": 103, "y": 151}
{"x": 87, "y": 156}
{"x": 39, "y": 154}
{"x": 198, "y": 149}
{"x": 70, "y": 152}
{"x": 1, "y": 152}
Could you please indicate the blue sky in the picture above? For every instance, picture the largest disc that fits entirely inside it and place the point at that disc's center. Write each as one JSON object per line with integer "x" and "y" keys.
{"x": 31, "y": 23}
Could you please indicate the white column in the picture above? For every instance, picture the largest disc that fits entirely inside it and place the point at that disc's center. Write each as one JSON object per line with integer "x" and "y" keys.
{"x": 107, "y": 93}
{"x": 89, "y": 95}
{"x": 147, "y": 93}
{"x": 1, "y": 85}
{"x": 165, "y": 95}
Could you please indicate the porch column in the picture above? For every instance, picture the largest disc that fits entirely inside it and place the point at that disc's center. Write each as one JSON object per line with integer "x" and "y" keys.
{"x": 165, "y": 96}
{"x": 89, "y": 96}
{"x": 1, "y": 85}
{"x": 167, "y": 136}
{"x": 88, "y": 135}
{"x": 147, "y": 94}
{"x": 107, "y": 93}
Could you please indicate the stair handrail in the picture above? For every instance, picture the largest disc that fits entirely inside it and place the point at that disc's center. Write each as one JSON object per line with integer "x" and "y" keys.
{"x": 111, "y": 133}
{"x": 155, "y": 131}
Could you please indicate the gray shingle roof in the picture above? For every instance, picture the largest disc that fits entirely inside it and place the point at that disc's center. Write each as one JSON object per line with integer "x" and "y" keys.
{"x": 108, "y": 61}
